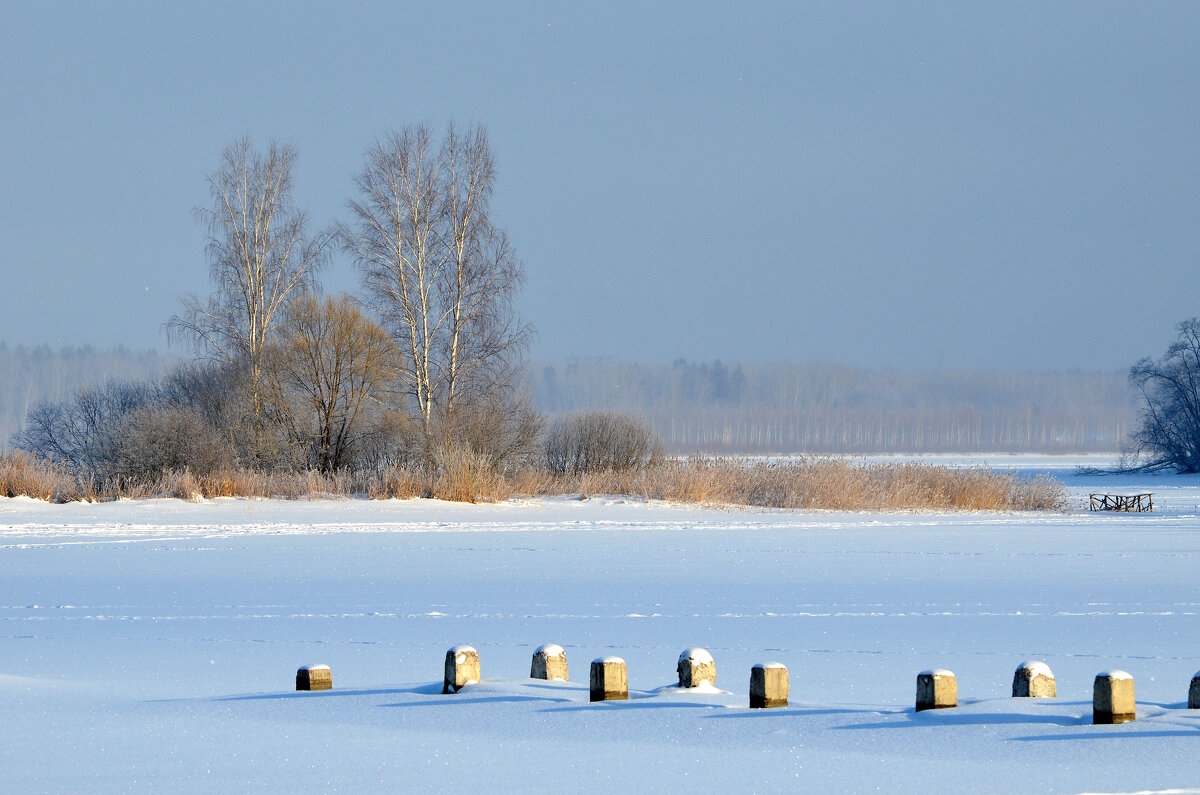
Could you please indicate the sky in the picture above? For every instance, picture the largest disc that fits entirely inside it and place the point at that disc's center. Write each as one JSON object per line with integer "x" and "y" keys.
{"x": 886, "y": 185}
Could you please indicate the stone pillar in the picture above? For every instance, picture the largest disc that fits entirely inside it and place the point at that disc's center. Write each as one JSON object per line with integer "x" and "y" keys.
{"x": 549, "y": 662}
{"x": 314, "y": 677}
{"x": 462, "y": 668}
{"x": 768, "y": 685}
{"x": 696, "y": 666}
{"x": 1112, "y": 698}
{"x": 936, "y": 690}
{"x": 609, "y": 680}
{"x": 1034, "y": 680}
{"x": 1194, "y": 693}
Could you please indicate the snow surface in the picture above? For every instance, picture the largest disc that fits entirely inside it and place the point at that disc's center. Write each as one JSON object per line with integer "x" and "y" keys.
{"x": 550, "y": 650}
{"x": 1036, "y": 669}
{"x": 699, "y": 656}
{"x": 153, "y": 644}
{"x": 1115, "y": 675}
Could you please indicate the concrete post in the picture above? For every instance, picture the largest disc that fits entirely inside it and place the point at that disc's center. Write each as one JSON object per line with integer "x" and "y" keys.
{"x": 609, "y": 680}
{"x": 462, "y": 668}
{"x": 768, "y": 685}
{"x": 1112, "y": 698}
{"x": 1034, "y": 680}
{"x": 314, "y": 677}
{"x": 696, "y": 666}
{"x": 549, "y": 662}
{"x": 936, "y": 690}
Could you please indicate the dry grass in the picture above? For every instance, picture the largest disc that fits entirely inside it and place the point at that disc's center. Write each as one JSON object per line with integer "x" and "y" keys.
{"x": 465, "y": 476}
{"x": 825, "y": 483}
{"x": 22, "y": 475}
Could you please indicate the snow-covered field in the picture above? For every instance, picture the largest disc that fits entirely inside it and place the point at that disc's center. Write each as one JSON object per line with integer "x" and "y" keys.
{"x": 154, "y": 645}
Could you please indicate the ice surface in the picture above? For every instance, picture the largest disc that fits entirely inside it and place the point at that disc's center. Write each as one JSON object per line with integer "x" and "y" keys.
{"x": 148, "y": 645}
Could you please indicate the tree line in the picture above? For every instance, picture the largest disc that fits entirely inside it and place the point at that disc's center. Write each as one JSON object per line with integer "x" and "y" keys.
{"x": 824, "y": 408}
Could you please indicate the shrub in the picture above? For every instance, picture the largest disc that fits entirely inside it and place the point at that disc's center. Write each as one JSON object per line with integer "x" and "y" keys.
{"x": 599, "y": 441}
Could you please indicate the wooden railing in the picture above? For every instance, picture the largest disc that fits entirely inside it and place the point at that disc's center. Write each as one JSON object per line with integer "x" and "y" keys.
{"x": 1138, "y": 503}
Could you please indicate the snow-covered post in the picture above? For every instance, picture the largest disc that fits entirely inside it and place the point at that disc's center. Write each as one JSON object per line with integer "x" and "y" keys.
{"x": 936, "y": 690}
{"x": 1194, "y": 692}
{"x": 314, "y": 677}
{"x": 549, "y": 662}
{"x": 768, "y": 685}
{"x": 696, "y": 666}
{"x": 1112, "y": 698}
{"x": 462, "y": 668}
{"x": 1034, "y": 680}
{"x": 609, "y": 680}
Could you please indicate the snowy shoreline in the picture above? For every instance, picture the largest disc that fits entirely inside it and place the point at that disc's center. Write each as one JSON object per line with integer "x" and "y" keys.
{"x": 153, "y": 644}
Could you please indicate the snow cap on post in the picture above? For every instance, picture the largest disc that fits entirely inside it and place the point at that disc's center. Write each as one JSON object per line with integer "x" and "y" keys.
{"x": 768, "y": 685}
{"x": 936, "y": 690}
{"x": 696, "y": 666}
{"x": 1034, "y": 680}
{"x": 549, "y": 662}
{"x": 314, "y": 677}
{"x": 1112, "y": 698}
{"x": 462, "y": 669}
{"x": 609, "y": 680}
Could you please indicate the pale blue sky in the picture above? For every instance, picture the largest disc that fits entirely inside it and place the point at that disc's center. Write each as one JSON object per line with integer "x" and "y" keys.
{"x": 893, "y": 185}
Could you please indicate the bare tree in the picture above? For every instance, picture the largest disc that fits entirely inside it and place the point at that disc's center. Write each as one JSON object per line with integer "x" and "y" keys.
{"x": 260, "y": 258}
{"x": 328, "y": 376}
{"x": 485, "y": 338}
{"x": 439, "y": 273}
{"x": 1169, "y": 432}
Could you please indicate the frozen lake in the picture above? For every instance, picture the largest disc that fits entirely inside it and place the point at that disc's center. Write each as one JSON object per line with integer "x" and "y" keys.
{"x": 153, "y": 645}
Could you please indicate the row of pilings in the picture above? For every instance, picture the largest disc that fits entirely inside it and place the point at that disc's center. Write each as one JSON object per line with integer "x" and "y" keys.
{"x": 1113, "y": 698}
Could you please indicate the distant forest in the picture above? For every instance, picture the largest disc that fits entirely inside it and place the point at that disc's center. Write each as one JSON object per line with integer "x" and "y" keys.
{"x": 31, "y": 375}
{"x": 825, "y": 408}
{"x": 732, "y": 408}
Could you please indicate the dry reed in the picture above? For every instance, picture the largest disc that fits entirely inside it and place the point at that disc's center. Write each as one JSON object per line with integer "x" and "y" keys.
{"x": 464, "y": 476}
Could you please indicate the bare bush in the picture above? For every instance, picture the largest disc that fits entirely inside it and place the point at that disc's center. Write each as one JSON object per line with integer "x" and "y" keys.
{"x": 82, "y": 433}
{"x": 600, "y": 441}
{"x": 505, "y": 429}
{"x": 163, "y": 438}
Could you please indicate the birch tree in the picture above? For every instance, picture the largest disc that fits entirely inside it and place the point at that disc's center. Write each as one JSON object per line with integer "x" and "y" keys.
{"x": 260, "y": 258}
{"x": 438, "y": 272}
